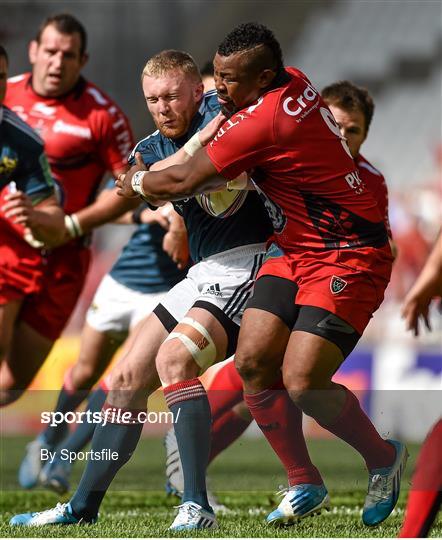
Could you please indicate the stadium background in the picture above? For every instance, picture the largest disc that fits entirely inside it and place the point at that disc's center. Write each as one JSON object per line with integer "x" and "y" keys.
{"x": 392, "y": 47}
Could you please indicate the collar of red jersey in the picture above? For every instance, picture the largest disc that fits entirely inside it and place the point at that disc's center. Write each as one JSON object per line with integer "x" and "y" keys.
{"x": 76, "y": 91}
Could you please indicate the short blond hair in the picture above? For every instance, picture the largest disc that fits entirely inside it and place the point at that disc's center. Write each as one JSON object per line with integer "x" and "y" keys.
{"x": 171, "y": 60}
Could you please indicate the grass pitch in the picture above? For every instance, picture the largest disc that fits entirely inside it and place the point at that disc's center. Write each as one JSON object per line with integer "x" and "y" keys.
{"x": 245, "y": 478}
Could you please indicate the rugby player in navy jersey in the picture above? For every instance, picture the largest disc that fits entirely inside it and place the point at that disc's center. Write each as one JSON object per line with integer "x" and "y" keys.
{"x": 127, "y": 294}
{"x": 203, "y": 310}
{"x": 30, "y": 217}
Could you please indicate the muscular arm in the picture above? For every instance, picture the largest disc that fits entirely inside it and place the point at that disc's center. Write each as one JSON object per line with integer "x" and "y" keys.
{"x": 196, "y": 175}
{"x": 108, "y": 207}
{"x": 427, "y": 286}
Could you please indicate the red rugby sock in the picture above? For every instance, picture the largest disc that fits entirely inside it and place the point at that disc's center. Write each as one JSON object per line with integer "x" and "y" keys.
{"x": 355, "y": 428}
{"x": 281, "y": 422}
{"x": 225, "y": 391}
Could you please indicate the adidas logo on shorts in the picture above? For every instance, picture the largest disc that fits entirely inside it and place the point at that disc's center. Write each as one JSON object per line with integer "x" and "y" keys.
{"x": 214, "y": 289}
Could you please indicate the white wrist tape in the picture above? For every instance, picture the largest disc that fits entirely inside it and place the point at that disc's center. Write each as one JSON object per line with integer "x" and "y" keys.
{"x": 193, "y": 144}
{"x": 73, "y": 225}
{"x": 137, "y": 183}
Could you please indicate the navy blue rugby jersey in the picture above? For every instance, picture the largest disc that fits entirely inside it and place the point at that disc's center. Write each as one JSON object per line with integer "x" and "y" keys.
{"x": 22, "y": 159}
{"x": 143, "y": 265}
{"x": 208, "y": 235}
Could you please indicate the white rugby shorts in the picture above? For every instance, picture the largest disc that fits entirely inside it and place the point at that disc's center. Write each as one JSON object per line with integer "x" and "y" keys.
{"x": 225, "y": 280}
{"x": 116, "y": 308}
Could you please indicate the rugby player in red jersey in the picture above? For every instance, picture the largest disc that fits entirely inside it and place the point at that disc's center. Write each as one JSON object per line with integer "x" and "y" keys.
{"x": 330, "y": 257}
{"x": 353, "y": 109}
{"x": 85, "y": 135}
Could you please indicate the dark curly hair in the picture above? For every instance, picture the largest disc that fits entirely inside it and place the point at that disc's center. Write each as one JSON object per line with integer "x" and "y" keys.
{"x": 250, "y": 35}
{"x": 348, "y": 96}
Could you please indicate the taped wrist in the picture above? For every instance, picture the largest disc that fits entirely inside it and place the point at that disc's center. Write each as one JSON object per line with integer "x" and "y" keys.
{"x": 193, "y": 145}
{"x": 137, "y": 183}
{"x": 73, "y": 225}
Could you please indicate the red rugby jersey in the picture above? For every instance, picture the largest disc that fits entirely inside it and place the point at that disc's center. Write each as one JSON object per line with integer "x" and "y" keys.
{"x": 376, "y": 183}
{"x": 85, "y": 134}
{"x": 301, "y": 164}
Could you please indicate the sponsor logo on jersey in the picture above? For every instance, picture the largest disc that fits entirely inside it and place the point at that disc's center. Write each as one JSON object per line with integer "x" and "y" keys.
{"x": 302, "y": 103}
{"x": 7, "y": 165}
{"x": 355, "y": 182}
{"x": 70, "y": 129}
{"x": 43, "y": 109}
{"x": 214, "y": 290}
{"x": 235, "y": 120}
{"x": 337, "y": 284}
{"x": 97, "y": 95}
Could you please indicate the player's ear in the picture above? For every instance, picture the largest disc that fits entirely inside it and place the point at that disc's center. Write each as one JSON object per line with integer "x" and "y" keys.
{"x": 266, "y": 78}
{"x": 198, "y": 91}
{"x": 32, "y": 51}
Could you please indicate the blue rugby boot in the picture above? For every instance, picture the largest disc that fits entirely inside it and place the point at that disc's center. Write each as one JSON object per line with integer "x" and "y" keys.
{"x": 299, "y": 502}
{"x": 192, "y": 516}
{"x": 383, "y": 488}
{"x": 32, "y": 463}
{"x": 60, "y": 515}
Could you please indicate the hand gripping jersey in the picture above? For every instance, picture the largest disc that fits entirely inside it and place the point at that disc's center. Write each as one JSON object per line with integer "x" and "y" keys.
{"x": 291, "y": 143}
{"x": 85, "y": 134}
{"x": 208, "y": 235}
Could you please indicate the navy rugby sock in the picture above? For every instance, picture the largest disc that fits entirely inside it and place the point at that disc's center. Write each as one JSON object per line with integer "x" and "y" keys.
{"x": 69, "y": 399}
{"x": 78, "y": 439}
{"x": 188, "y": 402}
{"x": 121, "y": 438}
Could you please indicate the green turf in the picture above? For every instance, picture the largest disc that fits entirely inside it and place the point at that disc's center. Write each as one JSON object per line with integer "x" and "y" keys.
{"x": 244, "y": 477}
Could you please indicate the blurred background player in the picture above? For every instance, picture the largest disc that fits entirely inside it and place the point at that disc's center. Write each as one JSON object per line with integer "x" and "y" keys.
{"x": 208, "y": 302}
{"x": 425, "y": 495}
{"x": 127, "y": 294}
{"x": 28, "y": 209}
{"x": 85, "y": 135}
{"x": 353, "y": 108}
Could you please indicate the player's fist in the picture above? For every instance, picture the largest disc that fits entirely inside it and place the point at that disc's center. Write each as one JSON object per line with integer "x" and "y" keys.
{"x": 124, "y": 180}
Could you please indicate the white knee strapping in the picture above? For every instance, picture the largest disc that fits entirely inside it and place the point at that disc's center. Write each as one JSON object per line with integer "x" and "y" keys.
{"x": 203, "y": 351}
